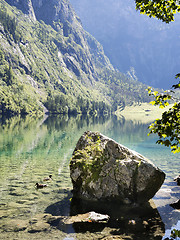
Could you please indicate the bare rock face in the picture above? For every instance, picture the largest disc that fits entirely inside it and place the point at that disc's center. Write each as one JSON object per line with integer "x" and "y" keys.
{"x": 102, "y": 169}
{"x": 25, "y": 6}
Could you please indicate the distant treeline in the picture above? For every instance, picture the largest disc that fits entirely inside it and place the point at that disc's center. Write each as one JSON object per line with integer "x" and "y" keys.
{"x": 62, "y": 104}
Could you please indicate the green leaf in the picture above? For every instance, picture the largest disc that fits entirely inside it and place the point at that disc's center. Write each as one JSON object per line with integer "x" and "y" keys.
{"x": 153, "y": 102}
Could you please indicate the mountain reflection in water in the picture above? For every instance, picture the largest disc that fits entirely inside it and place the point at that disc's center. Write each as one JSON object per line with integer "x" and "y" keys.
{"x": 31, "y": 149}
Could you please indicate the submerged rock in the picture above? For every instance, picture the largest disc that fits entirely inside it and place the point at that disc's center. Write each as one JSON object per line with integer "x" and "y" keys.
{"x": 176, "y": 204}
{"x": 15, "y": 225}
{"x": 102, "y": 169}
{"x": 40, "y": 223}
{"x": 116, "y": 238}
{"x": 177, "y": 179}
{"x": 87, "y": 217}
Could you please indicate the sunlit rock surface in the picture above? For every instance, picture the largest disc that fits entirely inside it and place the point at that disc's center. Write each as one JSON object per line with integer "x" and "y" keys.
{"x": 102, "y": 169}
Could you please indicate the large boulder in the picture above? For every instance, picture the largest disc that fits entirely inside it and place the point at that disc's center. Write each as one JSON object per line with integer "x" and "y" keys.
{"x": 102, "y": 169}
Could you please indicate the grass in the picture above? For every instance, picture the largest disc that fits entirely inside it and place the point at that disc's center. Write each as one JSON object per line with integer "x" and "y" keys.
{"x": 144, "y": 112}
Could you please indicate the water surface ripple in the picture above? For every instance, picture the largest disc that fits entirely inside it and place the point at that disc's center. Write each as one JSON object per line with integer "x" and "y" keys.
{"x": 33, "y": 149}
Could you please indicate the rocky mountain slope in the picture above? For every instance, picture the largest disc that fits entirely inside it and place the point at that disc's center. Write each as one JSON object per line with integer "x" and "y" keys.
{"x": 133, "y": 40}
{"x": 48, "y": 61}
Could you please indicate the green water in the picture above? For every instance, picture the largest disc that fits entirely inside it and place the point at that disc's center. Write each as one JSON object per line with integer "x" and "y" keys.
{"x": 33, "y": 149}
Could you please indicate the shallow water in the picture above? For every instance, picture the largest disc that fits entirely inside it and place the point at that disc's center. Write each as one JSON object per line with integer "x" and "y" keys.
{"x": 33, "y": 149}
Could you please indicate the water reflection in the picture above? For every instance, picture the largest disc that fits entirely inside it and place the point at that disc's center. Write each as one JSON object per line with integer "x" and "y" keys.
{"x": 31, "y": 149}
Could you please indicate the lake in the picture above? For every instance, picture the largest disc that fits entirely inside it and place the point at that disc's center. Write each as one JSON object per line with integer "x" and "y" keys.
{"x": 33, "y": 149}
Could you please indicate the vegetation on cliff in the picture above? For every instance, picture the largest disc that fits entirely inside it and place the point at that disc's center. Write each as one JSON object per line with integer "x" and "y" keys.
{"x": 55, "y": 66}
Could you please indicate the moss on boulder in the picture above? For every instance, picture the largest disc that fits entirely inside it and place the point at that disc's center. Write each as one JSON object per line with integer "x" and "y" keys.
{"x": 102, "y": 169}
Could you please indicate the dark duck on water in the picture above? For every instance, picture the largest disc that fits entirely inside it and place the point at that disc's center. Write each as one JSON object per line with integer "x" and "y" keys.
{"x": 38, "y": 185}
{"x": 48, "y": 178}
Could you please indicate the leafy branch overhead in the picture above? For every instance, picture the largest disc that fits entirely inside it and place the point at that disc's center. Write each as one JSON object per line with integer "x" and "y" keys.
{"x": 168, "y": 127}
{"x": 161, "y": 9}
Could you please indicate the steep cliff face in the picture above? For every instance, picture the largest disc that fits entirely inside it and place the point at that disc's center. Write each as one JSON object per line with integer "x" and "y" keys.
{"x": 54, "y": 10}
{"x": 25, "y": 6}
{"x": 61, "y": 16}
{"x": 132, "y": 39}
{"x": 47, "y": 57}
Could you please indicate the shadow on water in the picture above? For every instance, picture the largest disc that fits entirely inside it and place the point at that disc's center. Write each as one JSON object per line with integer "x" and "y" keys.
{"x": 139, "y": 222}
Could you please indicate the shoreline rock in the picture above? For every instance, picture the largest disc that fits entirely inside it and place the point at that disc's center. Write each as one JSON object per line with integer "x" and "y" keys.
{"x": 102, "y": 169}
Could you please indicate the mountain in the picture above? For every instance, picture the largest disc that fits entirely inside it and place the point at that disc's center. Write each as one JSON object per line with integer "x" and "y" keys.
{"x": 48, "y": 62}
{"x": 129, "y": 39}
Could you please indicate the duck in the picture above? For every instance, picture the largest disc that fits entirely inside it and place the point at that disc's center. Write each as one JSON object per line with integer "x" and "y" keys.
{"x": 38, "y": 185}
{"x": 48, "y": 178}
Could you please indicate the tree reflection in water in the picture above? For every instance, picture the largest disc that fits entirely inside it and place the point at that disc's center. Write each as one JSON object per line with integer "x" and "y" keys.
{"x": 33, "y": 148}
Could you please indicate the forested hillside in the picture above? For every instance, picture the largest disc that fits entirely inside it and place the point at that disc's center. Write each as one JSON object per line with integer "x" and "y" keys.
{"x": 49, "y": 63}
